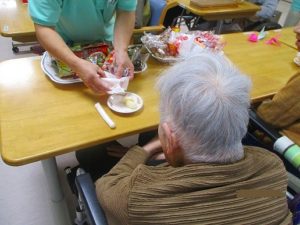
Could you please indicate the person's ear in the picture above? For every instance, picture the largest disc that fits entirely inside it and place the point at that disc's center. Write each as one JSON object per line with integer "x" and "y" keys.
{"x": 172, "y": 148}
{"x": 168, "y": 136}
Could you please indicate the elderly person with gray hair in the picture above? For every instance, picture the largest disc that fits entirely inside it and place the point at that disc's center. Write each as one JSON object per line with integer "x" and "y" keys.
{"x": 208, "y": 177}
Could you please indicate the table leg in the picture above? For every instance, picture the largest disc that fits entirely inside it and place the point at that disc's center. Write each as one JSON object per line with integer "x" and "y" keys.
{"x": 59, "y": 207}
{"x": 219, "y": 26}
{"x": 28, "y": 40}
{"x": 15, "y": 46}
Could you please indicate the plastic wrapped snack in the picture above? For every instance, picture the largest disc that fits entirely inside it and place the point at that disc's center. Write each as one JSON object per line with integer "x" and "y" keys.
{"x": 139, "y": 56}
{"x": 95, "y": 53}
{"x": 102, "y": 54}
{"x": 157, "y": 45}
{"x": 173, "y": 45}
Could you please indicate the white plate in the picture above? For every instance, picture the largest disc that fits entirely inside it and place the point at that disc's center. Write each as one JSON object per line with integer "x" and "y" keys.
{"x": 50, "y": 69}
{"x": 296, "y": 61}
{"x": 116, "y": 103}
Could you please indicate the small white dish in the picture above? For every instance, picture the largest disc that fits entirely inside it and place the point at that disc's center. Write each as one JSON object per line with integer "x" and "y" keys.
{"x": 117, "y": 103}
{"x": 296, "y": 61}
{"x": 140, "y": 71}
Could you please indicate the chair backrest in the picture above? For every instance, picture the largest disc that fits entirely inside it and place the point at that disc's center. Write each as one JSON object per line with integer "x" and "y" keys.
{"x": 159, "y": 10}
{"x": 156, "y": 7}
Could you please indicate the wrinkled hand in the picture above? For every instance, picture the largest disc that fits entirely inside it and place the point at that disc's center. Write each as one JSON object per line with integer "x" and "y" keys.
{"x": 123, "y": 62}
{"x": 297, "y": 31}
{"x": 153, "y": 147}
{"x": 91, "y": 76}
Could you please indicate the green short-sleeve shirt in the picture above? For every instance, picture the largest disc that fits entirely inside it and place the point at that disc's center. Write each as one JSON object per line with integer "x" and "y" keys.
{"x": 79, "y": 20}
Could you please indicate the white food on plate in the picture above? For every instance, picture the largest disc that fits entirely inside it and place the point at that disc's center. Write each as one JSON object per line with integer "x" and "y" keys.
{"x": 130, "y": 101}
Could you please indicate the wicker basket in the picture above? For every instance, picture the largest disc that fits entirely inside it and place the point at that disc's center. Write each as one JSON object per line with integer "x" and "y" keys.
{"x": 213, "y": 3}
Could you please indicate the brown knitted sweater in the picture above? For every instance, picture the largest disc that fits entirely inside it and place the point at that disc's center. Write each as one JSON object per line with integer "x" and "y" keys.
{"x": 250, "y": 191}
{"x": 283, "y": 111}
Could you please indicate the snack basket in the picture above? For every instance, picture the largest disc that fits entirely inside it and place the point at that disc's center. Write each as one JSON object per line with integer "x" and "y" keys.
{"x": 158, "y": 43}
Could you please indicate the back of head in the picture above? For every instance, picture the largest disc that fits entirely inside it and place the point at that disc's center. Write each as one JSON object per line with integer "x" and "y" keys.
{"x": 205, "y": 99}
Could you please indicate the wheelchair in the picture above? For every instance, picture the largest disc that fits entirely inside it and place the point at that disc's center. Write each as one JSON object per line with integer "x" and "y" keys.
{"x": 89, "y": 211}
{"x": 262, "y": 135}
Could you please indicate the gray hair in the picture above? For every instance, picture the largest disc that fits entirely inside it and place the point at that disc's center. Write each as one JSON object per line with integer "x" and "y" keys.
{"x": 205, "y": 99}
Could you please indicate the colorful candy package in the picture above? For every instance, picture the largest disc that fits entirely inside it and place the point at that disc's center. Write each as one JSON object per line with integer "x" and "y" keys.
{"x": 95, "y": 53}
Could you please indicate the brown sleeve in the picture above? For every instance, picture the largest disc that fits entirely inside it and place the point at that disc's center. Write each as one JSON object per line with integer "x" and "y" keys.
{"x": 284, "y": 109}
{"x": 113, "y": 188}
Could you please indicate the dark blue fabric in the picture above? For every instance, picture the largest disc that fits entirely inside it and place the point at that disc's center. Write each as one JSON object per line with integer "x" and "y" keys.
{"x": 156, "y": 7}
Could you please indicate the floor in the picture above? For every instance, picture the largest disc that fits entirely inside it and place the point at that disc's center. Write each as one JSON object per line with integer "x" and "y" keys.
{"x": 23, "y": 190}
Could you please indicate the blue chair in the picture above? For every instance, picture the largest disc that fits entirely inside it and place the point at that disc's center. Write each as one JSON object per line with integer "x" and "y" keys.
{"x": 157, "y": 7}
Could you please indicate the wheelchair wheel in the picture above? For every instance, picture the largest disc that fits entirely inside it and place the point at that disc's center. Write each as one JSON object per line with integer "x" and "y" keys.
{"x": 15, "y": 49}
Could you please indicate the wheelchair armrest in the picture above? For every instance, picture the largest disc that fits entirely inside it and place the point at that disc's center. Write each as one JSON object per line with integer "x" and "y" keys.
{"x": 258, "y": 123}
{"x": 284, "y": 147}
{"x": 87, "y": 194}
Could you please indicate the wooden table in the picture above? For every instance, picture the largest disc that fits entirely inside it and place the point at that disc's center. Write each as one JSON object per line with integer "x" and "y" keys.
{"x": 14, "y": 20}
{"x": 16, "y": 23}
{"x": 242, "y": 10}
{"x": 50, "y": 119}
{"x": 286, "y": 36}
{"x": 40, "y": 119}
{"x": 30, "y": 101}
{"x": 269, "y": 66}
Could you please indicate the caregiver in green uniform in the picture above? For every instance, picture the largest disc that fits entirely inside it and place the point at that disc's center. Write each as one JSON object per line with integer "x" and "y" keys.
{"x": 58, "y": 22}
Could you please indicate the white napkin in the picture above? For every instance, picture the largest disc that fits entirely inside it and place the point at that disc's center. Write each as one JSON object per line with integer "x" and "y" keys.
{"x": 117, "y": 85}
